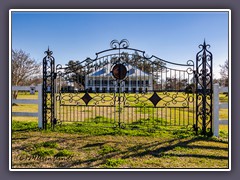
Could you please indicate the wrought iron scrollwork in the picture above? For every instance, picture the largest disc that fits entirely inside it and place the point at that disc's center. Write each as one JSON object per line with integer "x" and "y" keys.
{"x": 48, "y": 88}
{"x": 115, "y": 44}
{"x": 204, "y": 88}
{"x": 123, "y": 86}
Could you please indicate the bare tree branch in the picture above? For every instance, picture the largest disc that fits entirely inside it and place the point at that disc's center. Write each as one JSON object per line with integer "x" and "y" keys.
{"x": 23, "y": 68}
{"x": 224, "y": 73}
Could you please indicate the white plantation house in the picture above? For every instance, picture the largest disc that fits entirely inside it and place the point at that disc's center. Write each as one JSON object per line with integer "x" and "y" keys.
{"x": 102, "y": 80}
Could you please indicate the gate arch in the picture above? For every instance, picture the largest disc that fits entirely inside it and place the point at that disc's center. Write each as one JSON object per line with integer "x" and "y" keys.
{"x": 123, "y": 87}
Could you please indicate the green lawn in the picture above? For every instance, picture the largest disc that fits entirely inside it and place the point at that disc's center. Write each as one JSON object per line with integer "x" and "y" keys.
{"x": 81, "y": 146}
{"x": 90, "y": 145}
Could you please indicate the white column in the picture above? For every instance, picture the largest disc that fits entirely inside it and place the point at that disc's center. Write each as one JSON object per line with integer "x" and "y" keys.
{"x": 216, "y": 110}
{"x": 108, "y": 84}
{"x": 137, "y": 90}
{"x": 150, "y": 83}
{"x": 100, "y": 79}
{"x": 93, "y": 84}
{"x": 144, "y": 85}
{"x": 40, "y": 118}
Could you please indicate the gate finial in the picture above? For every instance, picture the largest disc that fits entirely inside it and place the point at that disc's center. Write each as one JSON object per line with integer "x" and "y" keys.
{"x": 48, "y": 52}
{"x": 204, "y": 44}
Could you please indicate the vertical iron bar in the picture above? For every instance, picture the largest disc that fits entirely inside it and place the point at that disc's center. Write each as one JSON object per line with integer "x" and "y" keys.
{"x": 48, "y": 88}
{"x": 204, "y": 88}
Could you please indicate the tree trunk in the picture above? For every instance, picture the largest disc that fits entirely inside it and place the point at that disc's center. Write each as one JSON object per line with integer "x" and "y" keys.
{"x": 14, "y": 96}
{"x": 15, "y": 93}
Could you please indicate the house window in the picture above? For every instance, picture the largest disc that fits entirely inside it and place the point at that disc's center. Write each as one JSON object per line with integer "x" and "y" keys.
{"x": 90, "y": 82}
{"x": 97, "y": 82}
{"x": 104, "y": 82}
{"x": 140, "y": 83}
{"x": 147, "y": 83}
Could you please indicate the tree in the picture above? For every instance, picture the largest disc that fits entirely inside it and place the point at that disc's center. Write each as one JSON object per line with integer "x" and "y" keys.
{"x": 152, "y": 66}
{"x": 75, "y": 73}
{"x": 173, "y": 83}
{"x": 224, "y": 73}
{"x": 24, "y": 68}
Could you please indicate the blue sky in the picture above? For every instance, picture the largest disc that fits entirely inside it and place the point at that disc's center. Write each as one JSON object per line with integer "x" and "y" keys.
{"x": 173, "y": 36}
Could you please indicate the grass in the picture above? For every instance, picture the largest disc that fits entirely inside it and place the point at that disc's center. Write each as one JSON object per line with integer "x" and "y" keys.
{"x": 63, "y": 153}
{"x": 50, "y": 144}
{"x": 102, "y": 129}
{"x": 114, "y": 148}
{"x": 97, "y": 144}
{"x": 223, "y": 97}
{"x": 113, "y": 163}
{"x": 107, "y": 149}
{"x": 43, "y": 152}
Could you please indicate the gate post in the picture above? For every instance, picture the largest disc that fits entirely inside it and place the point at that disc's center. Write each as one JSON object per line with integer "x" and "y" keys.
{"x": 204, "y": 89}
{"x": 48, "y": 88}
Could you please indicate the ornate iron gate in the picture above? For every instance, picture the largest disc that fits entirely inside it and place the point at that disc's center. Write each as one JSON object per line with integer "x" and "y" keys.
{"x": 204, "y": 88}
{"x": 123, "y": 87}
{"x": 49, "y": 76}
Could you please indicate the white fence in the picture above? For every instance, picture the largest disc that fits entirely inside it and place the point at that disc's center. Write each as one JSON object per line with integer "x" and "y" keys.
{"x": 216, "y": 107}
{"x": 29, "y": 101}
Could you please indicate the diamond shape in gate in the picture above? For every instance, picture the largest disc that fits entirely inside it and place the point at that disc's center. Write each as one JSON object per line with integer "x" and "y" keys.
{"x": 86, "y": 98}
{"x": 155, "y": 99}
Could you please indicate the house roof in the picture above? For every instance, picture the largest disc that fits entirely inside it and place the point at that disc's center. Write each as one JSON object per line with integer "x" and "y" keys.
{"x": 106, "y": 71}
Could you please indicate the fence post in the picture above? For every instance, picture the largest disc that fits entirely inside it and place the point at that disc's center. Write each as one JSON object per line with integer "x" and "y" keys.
{"x": 216, "y": 110}
{"x": 39, "y": 88}
{"x": 204, "y": 88}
